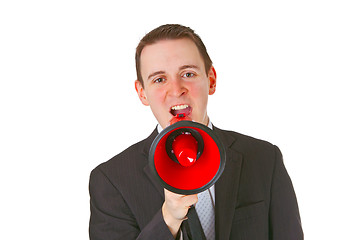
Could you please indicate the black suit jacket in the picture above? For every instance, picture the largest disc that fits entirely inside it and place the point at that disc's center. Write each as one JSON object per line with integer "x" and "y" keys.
{"x": 254, "y": 197}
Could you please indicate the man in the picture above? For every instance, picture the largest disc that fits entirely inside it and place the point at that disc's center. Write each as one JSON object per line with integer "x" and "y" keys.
{"x": 254, "y": 197}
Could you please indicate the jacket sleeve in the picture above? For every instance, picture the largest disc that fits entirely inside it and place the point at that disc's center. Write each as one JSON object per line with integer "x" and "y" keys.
{"x": 284, "y": 218}
{"x": 111, "y": 218}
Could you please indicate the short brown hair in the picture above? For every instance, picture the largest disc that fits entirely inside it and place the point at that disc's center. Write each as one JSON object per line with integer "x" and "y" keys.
{"x": 171, "y": 31}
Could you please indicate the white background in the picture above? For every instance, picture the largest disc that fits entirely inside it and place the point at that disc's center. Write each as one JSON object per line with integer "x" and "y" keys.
{"x": 288, "y": 72}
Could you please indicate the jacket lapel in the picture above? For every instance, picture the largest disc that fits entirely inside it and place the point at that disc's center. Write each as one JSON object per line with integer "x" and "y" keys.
{"x": 226, "y": 187}
{"x": 147, "y": 144}
{"x": 150, "y": 175}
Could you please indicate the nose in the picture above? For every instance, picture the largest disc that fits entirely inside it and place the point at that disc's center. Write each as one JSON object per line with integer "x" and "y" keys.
{"x": 177, "y": 88}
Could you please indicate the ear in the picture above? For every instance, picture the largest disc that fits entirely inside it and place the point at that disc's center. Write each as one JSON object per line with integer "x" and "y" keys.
{"x": 141, "y": 93}
{"x": 212, "y": 80}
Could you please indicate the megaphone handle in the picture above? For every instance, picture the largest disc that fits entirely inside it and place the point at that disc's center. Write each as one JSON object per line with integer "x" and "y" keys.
{"x": 196, "y": 230}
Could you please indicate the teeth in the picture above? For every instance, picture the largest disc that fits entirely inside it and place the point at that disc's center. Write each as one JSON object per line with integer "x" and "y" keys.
{"x": 179, "y": 107}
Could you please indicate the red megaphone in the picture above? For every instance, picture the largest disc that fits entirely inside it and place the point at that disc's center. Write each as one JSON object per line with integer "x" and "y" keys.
{"x": 187, "y": 157}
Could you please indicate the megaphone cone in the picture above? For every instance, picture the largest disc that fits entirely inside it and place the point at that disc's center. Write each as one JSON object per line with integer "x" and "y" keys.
{"x": 187, "y": 157}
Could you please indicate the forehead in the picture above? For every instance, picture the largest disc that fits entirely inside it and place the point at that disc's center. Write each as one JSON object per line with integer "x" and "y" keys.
{"x": 168, "y": 55}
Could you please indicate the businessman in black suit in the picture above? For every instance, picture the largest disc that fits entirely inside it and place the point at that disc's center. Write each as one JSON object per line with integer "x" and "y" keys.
{"x": 254, "y": 197}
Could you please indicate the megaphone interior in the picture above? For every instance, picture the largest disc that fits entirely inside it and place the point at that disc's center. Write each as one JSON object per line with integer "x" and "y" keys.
{"x": 187, "y": 157}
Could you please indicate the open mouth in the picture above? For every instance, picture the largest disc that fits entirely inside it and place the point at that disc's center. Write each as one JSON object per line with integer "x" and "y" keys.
{"x": 180, "y": 109}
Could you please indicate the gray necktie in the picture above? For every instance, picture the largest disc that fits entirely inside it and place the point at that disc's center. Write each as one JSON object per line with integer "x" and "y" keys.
{"x": 205, "y": 209}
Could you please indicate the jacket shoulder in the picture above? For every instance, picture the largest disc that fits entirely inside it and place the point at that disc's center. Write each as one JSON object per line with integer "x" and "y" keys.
{"x": 242, "y": 141}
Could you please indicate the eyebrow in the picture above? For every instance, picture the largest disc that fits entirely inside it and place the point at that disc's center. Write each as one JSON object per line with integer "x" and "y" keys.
{"x": 155, "y": 73}
{"x": 180, "y": 68}
{"x": 189, "y": 66}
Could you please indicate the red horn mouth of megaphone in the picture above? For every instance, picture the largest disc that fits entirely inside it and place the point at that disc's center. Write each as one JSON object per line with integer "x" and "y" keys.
{"x": 187, "y": 157}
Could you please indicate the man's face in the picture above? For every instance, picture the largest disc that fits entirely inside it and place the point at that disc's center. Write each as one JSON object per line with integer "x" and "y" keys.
{"x": 175, "y": 81}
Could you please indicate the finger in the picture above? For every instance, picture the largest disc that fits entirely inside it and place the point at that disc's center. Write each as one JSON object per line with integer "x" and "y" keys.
{"x": 172, "y": 194}
{"x": 190, "y": 200}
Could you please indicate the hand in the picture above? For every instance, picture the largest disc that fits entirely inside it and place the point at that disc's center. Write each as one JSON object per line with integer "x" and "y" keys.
{"x": 175, "y": 208}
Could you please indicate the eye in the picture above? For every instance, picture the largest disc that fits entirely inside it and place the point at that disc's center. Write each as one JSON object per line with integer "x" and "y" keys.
{"x": 188, "y": 75}
{"x": 159, "y": 80}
